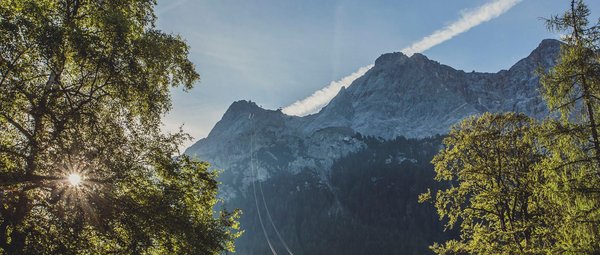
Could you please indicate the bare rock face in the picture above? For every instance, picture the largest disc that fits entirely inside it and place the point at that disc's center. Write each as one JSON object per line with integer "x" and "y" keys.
{"x": 412, "y": 96}
{"x": 338, "y": 180}
{"x": 417, "y": 97}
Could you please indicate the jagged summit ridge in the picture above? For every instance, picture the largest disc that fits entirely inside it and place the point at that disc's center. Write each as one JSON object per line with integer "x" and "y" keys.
{"x": 400, "y": 96}
{"x": 293, "y": 157}
{"x": 417, "y": 97}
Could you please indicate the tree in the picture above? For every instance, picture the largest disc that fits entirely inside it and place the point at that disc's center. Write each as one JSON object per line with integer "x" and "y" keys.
{"x": 494, "y": 197}
{"x": 558, "y": 162}
{"x": 572, "y": 87}
{"x": 84, "y": 84}
{"x": 572, "y": 168}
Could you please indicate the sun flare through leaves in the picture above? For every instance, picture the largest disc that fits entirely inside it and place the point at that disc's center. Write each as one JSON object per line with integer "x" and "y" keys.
{"x": 74, "y": 179}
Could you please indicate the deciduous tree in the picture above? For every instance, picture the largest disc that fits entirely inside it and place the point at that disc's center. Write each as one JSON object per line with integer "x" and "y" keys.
{"x": 83, "y": 87}
{"x": 494, "y": 197}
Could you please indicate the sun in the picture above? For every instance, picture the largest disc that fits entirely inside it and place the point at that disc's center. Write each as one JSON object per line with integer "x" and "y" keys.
{"x": 75, "y": 179}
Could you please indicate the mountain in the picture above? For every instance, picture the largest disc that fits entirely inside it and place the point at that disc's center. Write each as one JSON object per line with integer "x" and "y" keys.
{"x": 401, "y": 96}
{"x": 417, "y": 97}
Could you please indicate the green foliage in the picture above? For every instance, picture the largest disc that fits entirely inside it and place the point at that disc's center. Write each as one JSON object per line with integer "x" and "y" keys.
{"x": 572, "y": 166}
{"x": 571, "y": 189}
{"x": 572, "y": 87}
{"x": 528, "y": 188}
{"x": 496, "y": 201}
{"x": 84, "y": 84}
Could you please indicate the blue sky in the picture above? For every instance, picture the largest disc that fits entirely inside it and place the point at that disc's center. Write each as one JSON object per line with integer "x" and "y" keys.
{"x": 275, "y": 52}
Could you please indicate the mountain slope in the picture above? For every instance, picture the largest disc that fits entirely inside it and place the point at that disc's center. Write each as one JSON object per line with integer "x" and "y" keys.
{"x": 414, "y": 97}
{"x": 418, "y": 97}
{"x": 400, "y": 96}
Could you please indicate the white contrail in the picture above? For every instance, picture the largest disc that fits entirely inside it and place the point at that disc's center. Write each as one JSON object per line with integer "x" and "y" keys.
{"x": 321, "y": 97}
{"x": 468, "y": 20}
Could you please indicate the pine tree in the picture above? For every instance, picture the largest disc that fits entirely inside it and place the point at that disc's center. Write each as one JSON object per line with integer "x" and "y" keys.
{"x": 572, "y": 168}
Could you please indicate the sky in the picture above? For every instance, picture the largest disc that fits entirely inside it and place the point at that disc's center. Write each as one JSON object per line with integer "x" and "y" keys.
{"x": 276, "y": 52}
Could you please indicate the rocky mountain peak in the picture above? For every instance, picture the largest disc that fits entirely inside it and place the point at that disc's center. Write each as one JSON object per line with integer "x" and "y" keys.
{"x": 238, "y": 119}
{"x": 548, "y": 44}
{"x": 544, "y": 55}
{"x": 418, "y": 57}
{"x": 388, "y": 59}
{"x": 396, "y": 60}
{"x": 414, "y": 97}
{"x": 242, "y": 107}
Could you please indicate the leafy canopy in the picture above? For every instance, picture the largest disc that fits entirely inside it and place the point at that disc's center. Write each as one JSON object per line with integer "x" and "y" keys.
{"x": 84, "y": 84}
{"x": 520, "y": 187}
{"x": 491, "y": 159}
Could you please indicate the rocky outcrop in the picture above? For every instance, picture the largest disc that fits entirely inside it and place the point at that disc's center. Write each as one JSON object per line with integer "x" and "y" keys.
{"x": 400, "y": 96}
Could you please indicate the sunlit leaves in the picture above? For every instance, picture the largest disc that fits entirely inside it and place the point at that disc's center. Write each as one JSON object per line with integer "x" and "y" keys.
{"x": 572, "y": 166}
{"x": 527, "y": 188}
{"x": 490, "y": 161}
{"x": 84, "y": 84}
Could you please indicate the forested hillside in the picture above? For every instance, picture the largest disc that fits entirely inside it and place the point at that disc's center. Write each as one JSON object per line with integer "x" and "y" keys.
{"x": 370, "y": 202}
